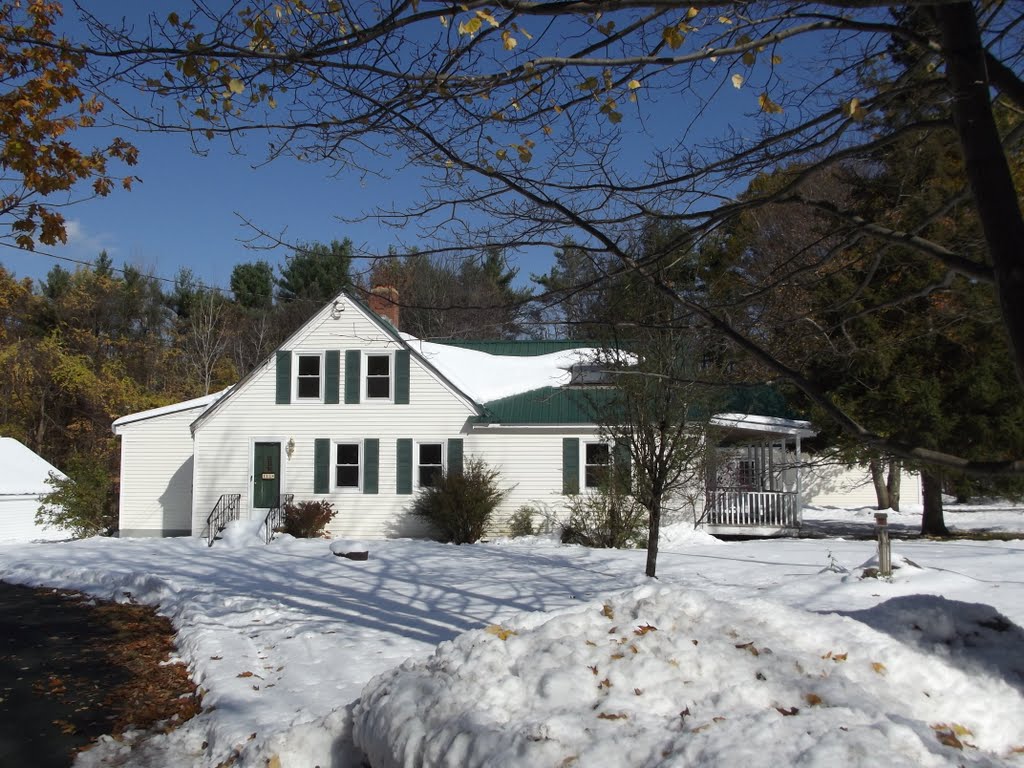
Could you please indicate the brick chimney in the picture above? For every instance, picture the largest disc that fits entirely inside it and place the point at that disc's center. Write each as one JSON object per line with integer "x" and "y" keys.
{"x": 384, "y": 301}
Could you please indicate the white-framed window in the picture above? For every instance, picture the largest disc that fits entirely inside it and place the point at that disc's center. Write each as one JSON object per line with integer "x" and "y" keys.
{"x": 347, "y": 466}
{"x": 309, "y": 377}
{"x": 597, "y": 461}
{"x": 429, "y": 463}
{"x": 379, "y": 376}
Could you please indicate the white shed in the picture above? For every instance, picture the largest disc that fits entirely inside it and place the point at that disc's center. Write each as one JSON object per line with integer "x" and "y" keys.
{"x": 23, "y": 475}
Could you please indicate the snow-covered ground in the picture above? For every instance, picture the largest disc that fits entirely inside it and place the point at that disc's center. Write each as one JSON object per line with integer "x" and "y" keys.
{"x": 759, "y": 652}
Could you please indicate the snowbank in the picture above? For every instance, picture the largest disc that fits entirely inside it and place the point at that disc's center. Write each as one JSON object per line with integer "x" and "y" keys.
{"x": 670, "y": 676}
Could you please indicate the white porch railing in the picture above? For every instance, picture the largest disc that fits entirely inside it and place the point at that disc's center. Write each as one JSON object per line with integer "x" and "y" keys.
{"x": 751, "y": 509}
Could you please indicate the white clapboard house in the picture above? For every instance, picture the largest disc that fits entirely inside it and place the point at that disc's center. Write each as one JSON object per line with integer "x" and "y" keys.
{"x": 350, "y": 410}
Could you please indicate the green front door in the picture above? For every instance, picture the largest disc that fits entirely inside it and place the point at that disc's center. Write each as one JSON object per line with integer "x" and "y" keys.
{"x": 266, "y": 475}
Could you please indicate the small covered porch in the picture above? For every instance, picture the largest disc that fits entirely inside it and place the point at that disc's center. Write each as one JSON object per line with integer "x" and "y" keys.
{"x": 753, "y": 475}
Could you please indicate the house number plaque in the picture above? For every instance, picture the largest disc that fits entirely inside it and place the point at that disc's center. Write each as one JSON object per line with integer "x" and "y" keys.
{"x": 267, "y": 476}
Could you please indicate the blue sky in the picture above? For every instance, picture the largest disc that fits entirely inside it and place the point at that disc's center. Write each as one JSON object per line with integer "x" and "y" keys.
{"x": 188, "y": 210}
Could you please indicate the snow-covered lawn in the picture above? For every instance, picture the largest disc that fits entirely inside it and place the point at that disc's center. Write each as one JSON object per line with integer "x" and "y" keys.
{"x": 731, "y": 657}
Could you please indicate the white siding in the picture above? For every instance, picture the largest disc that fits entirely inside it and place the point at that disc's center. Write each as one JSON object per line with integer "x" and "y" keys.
{"x": 156, "y": 475}
{"x": 835, "y": 485}
{"x": 17, "y": 520}
{"x": 224, "y": 439}
{"x": 530, "y": 462}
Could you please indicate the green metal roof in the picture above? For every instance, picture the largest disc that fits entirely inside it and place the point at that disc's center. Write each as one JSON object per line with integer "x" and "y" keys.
{"x": 517, "y": 347}
{"x": 590, "y": 405}
{"x": 550, "y": 405}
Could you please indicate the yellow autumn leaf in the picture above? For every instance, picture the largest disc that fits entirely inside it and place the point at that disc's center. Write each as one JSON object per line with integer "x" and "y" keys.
{"x": 724, "y": 20}
{"x": 444, "y": 21}
{"x": 776, "y": 59}
{"x": 607, "y": 611}
{"x": 673, "y": 37}
{"x": 547, "y": 130}
{"x": 878, "y": 666}
{"x": 502, "y": 633}
{"x": 749, "y": 57}
{"x": 691, "y": 13}
{"x": 737, "y": 81}
{"x": 634, "y": 84}
{"x": 853, "y": 110}
{"x": 508, "y": 41}
{"x": 235, "y": 85}
{"x": 488, "y": 17}
{"x": 524, "y": 153}
{"x": 768, "y": 106}
{"x": 590, "y": 84}
{"x": 469, "y": 26}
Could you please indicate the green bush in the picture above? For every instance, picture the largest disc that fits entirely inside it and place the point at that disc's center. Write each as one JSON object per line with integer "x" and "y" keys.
{"x": 81, "y": 503}
{"x": 460, "y": 504}
{"x": 521, "y": 522}
{"x": 606, "y": 518}
{"x": 308, "y": 519}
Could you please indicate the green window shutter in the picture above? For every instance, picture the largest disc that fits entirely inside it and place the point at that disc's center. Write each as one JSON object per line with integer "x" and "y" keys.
{"x": 321, "y": 465}
{"x": 570, "y": 465}
{"x": 404, "y": 474}
{"x": 621, "y": 464}
{"x": 455, "y": 456}
{"x": 332, "y": 375}
{"x": 402, "y": 377}
{"x": 284, "y": 378}
{"x": 371, "y": 465}
{"x": 353, "y": 358}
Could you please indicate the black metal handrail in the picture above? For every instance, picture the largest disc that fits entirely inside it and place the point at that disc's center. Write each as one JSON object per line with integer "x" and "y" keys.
{"x": 225, "y": 510}
{"x": 275, "y": 515}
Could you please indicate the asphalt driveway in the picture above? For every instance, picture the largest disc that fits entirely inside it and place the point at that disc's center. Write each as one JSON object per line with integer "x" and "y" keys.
{"x": 73, "y": 668}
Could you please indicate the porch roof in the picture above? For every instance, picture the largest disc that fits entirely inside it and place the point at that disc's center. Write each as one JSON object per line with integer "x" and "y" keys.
{"x": 747, "y": 423}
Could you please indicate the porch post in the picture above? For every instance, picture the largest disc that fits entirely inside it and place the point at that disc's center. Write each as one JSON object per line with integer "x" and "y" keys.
{"x": 799, "y": 498}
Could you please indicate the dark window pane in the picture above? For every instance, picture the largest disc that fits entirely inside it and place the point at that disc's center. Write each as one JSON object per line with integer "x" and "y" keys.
{"x": 378, "y": 365}
{"x": 309, "y": 365}
{"x": 429, "y": 476}
{"x": 348, "y": 454}
{"x": 378, "y": 387}
{"x": 594, "y": 476}
{"x": 430, "y": 453}
{"x": 348, "y": 476}
{"x": 597, "y": 453}
{"x": 309, "y": 387}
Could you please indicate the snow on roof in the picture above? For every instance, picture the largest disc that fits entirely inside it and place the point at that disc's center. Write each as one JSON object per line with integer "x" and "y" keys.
{"x": 486, "y": 377}
{"x": 763, "y": 423}
{"x": 199, "y": 402}
{"x": 22, "y": 471}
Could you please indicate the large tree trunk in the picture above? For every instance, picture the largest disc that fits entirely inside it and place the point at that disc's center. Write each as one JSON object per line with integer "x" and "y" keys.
{"x": 988, "y": 170}
{"x": 878, "y": 479}
{"x": 932, "y": 523}
{"x": 893, "y": 484}
{"x": 654, "y": 529}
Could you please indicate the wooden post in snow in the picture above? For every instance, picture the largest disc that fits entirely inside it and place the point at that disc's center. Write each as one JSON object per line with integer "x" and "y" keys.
{"x": 884, "y": 547}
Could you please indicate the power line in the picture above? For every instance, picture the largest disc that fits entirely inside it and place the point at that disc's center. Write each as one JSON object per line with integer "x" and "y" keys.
{"x": 123, "y": 271}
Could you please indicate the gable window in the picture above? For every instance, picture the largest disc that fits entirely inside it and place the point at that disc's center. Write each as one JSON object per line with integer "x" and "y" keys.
{"x": 346, "y": 469}
{"x": 378, "y": 377}
{"x": 429, "y": 466}
{"x": 596, "y": 462}
{"x": 309, "y": 379}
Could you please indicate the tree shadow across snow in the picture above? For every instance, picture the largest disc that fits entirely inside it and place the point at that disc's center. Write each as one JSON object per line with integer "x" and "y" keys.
{"x": 974, "y": 636}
